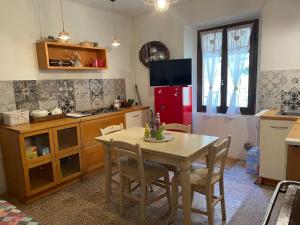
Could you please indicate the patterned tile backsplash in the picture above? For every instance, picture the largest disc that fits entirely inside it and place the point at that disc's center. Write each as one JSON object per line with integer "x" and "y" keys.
{"x": 279, "y": 89}
{"x": 69, "y": 95}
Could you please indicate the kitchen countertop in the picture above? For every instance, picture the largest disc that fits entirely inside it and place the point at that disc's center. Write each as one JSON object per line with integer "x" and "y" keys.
{"x": 293, "y": 137}
{"x": 30, "y": 127}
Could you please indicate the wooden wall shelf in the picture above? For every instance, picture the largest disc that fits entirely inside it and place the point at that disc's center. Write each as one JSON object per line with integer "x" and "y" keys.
{"x": 55, "y": 50}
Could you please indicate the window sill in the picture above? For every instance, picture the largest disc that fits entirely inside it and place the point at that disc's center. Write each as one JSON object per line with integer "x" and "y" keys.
{"x": 223, "y": 115}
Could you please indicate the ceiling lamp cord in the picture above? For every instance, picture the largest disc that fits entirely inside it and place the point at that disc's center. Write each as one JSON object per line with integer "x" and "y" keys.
{"x": 63, "y": 36}
{"x": 115, "y": 41}
{"x": 62, "y": 16}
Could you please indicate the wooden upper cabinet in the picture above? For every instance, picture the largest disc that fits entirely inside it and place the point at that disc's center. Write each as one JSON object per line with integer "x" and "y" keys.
{"x": 61, "y": 51}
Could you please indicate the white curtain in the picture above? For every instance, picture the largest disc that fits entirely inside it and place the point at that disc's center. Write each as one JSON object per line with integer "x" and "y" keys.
{"x": 238, "y": 39}
{"x": 211, "y": 43}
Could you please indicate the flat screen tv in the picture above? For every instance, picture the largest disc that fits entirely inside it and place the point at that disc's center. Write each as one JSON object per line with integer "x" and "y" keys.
{"x": 175, "y": 72}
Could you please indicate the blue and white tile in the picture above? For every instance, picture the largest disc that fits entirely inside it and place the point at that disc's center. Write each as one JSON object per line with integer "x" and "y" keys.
{"x": 82, "y": 89}
{"x": 120, "y": 88}
{"x": 96, "y": 87}
{"x": 26, "y": 94}
{"x": 7, "y": 108}
{"x": 108, "y": 87}
{"x": 272, "y": 83}
{"x": 47, "y": 90}
{"x": 7, "y": 89}
{"x": 97, "y": 102}
{"x": 65, "y": 88}
{"x": 83, "y": 104}
{"x": 67, "y": 104}
{"x": 48, "y": 104}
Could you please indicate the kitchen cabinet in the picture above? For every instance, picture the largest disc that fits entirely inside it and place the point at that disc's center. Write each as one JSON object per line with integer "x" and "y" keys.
{"x": 92, "y": 150}
{"x": 273, "y": 149}
{"x": 39, "y": 161}
{"x": 41, "y": 158}
{"x": 47, "y": 51}
{"x": 293, "y": 162}
{"x": 137, "y": 118}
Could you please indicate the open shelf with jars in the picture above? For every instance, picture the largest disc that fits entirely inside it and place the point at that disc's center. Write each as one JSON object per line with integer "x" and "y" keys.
{"x": 59, "y": 56}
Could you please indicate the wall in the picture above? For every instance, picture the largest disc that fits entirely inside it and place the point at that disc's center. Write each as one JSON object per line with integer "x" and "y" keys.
{"x": 280, "y": 62}
{"x": 177, "y": 29}
{"x": 20, "y": 30}
{"x": 280, "y": 35}
{"x": 19, "y": 25}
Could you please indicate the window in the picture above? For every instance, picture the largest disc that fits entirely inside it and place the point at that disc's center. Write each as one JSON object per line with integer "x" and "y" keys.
{"x": 227, "y": 68}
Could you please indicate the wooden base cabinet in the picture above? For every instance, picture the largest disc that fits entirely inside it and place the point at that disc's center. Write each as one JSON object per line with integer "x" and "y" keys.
{"x": 37, "y": 162}
{"x": 93, "y": 158}
{"x": 42, "y": 158}
{"x": 273, "y": 149}
{"x": 293, "y": 163}
{"x": 92, "y": 150}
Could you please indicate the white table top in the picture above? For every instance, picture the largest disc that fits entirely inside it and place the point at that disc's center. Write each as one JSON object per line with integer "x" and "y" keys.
{"x": 183, "y": 146}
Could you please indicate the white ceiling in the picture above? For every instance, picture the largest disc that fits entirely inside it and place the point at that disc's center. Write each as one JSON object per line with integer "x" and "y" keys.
{"x": 127, "y": 7}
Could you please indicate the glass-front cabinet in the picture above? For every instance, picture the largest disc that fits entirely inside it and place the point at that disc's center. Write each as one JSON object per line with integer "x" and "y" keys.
{"x": 41, "y": 177}
{"x": 38, "y": 145}
{"x": 69, "y": 166}
{"x": 66, "y": 138}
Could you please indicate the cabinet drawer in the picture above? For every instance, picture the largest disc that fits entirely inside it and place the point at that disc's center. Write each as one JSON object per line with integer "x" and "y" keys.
{"x": 136, "y": 119}
{"x": 93, "y": 157}
{"x": 272, "y": 148}
{"x": 91, "y": 129}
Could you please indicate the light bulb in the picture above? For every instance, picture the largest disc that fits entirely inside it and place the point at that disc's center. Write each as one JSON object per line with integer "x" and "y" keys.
{"x": 115, "y": 43}
{"x": 161, "y": 5}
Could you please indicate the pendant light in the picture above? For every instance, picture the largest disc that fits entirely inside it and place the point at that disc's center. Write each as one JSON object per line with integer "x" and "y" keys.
{"x": 63, "y": 36}
{"x": 115, "y": 42}
{"x": 160, "y": 5}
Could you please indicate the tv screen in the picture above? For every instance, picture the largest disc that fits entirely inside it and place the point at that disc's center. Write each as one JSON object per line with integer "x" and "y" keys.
{"x": 171, "y": 72}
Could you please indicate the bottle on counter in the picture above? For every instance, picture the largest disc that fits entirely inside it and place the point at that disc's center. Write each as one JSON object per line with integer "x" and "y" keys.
{"x": 157, "y": 121}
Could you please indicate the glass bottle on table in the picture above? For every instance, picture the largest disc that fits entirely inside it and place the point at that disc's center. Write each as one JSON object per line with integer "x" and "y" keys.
{"x": 157, "y": 121}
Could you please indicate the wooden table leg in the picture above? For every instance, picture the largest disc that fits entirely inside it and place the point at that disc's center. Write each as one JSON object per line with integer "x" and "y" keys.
{"x": 107, "y": 171}
{"x": 186, "y": 191}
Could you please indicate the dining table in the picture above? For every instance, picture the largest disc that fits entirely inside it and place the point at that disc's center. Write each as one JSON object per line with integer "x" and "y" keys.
{"x": 181, "y": 151}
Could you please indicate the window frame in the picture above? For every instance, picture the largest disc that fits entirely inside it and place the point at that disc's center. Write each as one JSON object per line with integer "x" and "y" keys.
{"x": 253, "y": 62}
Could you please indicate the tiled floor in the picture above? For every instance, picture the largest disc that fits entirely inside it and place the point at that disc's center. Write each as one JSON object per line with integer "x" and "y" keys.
{"x": 83, "y": 204}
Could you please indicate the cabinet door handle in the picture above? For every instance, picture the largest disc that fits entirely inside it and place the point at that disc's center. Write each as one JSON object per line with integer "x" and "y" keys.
{"x": 279, "y": 128}
{"x": 136, "y": 116}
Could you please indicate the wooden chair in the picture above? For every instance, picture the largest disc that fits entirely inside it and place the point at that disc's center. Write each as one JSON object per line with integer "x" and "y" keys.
{"x": 143, "y": 172}
{"x": 178, "y": 127}
{"x": 109, "y": 130}
{"x": 203, "y": 181}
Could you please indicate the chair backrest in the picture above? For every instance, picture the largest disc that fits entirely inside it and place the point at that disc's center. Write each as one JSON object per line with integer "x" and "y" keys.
{"x": 178, "y": 127}
{"x": 129, "y": 151}
{"x": 111, "y": 129}
{"x": 218, "y": 153}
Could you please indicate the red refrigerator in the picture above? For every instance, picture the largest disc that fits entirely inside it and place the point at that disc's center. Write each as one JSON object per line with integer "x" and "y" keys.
{"x": 174, "y": 104}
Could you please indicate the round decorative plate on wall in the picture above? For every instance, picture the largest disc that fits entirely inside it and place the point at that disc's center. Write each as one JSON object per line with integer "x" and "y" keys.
{"x": 153, "y": 51}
